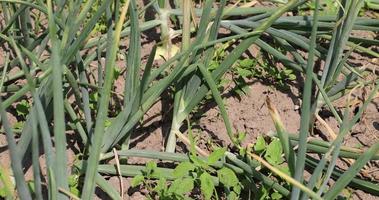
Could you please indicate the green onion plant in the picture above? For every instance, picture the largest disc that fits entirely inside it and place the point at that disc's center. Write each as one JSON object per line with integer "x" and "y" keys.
{"x": 54, "y": 58}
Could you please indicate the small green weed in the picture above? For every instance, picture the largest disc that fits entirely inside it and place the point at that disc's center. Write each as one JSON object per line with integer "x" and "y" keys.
{"x": 247, "y": 68}
{"x": 7, "y": 187}
{"x": 23, "y": 108}
{"x": 18, "y": 126}
{"x": 328, "y": 7}
{"x": 93, "y": 99}
{"x": 197, "y": 172}
{"x": 73, "y": 182}
{"x": 273, "y": 153}
{"x": 101, "y": 25}
{"x": 160, "y": 188}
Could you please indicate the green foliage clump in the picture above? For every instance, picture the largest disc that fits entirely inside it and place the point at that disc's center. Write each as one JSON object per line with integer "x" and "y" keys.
{"x": 101, "y": 25}
{"x": 196, "y": 173}
{"x": 273, "y": 153}
{"x": 245, "y": 69}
